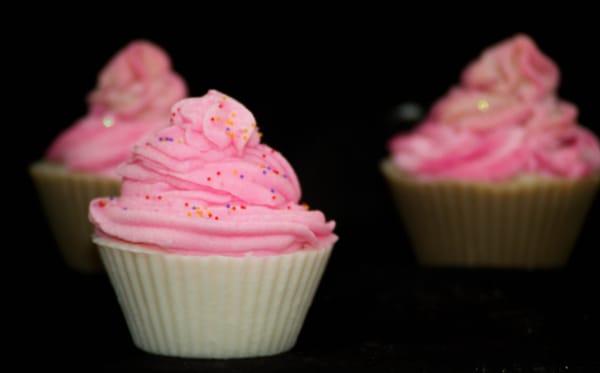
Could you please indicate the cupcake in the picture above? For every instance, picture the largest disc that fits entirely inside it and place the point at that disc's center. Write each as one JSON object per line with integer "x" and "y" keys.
{"x": 207, "y": 247}
{"x": 132, "y": 99}
{"x": 499, "y": 174}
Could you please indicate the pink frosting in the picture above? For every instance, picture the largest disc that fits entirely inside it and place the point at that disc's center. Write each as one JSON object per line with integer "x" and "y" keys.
{"x": 132, "y": 99}
{"x": 206, "y": 185}
{"x": 502, "y": 122}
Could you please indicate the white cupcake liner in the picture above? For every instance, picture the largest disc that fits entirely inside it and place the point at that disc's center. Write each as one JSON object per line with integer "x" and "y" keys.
{"x": 213, "y": 306}
{"x": 65, "y": 198}
{"x": 530, "y": 223}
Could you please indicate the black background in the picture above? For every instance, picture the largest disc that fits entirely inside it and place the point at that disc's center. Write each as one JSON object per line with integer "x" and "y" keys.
{"x": 323, "y": 89}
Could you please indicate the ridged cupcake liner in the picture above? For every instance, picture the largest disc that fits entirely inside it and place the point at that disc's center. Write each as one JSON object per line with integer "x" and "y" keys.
{"x": 213, "y": 306}
{"x": 65, "y": 198}
{"x": 524, "y": 224}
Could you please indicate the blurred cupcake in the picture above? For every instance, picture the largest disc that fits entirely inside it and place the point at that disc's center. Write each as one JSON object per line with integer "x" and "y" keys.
{"x": 499, "y": 174}
{"x": 207, "y": 247}
{"x": 132, "y": 99}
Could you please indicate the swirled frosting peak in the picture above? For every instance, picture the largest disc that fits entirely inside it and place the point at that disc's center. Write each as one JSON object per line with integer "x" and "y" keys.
{"x": 206, "y": 185}
{"x": 503, "y": 121}
{"x": 132, "y": 99}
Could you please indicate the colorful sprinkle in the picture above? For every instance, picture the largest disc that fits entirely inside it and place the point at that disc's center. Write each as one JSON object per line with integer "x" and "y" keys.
{"x": 208, "y": 178}
{"x": 147, "y": 196}
{"x": 218, "y": 173}
{"x": 186, "y": 204}
{"x": 101, "y": 203}
{"x": 189, "y": 214}
{"x": 243, "y": 207}
{"x": 241, "y": 176}
{"x": 108, "y": 122}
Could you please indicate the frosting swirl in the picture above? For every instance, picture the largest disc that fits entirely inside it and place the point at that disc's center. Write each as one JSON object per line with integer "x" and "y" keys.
{"x": 132, "y": 99}
{"x": 206, "y": 185}
{"x": 502, "y": 122}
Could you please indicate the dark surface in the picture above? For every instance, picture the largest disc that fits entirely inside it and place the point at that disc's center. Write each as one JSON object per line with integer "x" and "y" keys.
{"x": 322, "y": 94}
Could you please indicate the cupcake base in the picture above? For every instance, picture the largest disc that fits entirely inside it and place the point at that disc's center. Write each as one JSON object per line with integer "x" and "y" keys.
{"x": 212, "y": 306}
{"x": 65, "y": 198}
{"x": 527, "y": 224}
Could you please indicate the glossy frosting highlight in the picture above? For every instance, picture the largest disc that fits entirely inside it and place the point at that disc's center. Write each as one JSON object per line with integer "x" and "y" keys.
{"x": 502, "y": 122}
{"x": 132, "y": 99}
{"x": 206, "y": 185}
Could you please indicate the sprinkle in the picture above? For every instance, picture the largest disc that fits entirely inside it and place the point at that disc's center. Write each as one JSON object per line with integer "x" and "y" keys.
{"x": 264, "y": 155}
{"x": 221, "y": 105}
{"x": 218, "y": 173}
{"x": 264, "y": 172}
{"x": 208, "y": 178}
{"x": 233, "y": 114}
{"x": 272, "y": 190}
{"x": 276, "y": 172}
{"x": 193, "y": 207}
{"x": 285, "y": 176}
{"x": 483, "y": 105}
{"x": 159, "y": 197}
{"x": 210, "y": 214}
{"x": 124, "y": 208}
{"x": 147, "y": 196}
{"x": 241, "y": 176}
{"x": 199, "y": 213}
{"x": 245, "y": 137}
{"x": 212, "y": 119}
{"x": 289, "y": 207}
{"x": 186, "y": 204}
{"x": 189, "y": 214}
{"x": 216, "y": 218}
{"x": 243, "y": 207}
{"x": 305, "y": 205}
{"x": 274, "y": 197}
{"x": 101, "y": 203}
{"x": 108, "y": 122}
{"x": 235, "y": 172}
{"x": 229, "y": 121}
{"x": 228, "y": 205}
{"x": 233, "y": 208}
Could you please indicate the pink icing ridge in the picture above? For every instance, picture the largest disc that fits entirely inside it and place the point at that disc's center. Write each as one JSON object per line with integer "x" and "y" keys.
{"x": 132, "y": 99}
{"x": 206, "y": 185}
{"x": 503, "y": 121}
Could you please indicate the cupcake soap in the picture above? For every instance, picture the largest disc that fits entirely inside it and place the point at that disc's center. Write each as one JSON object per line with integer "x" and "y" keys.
{"x": 132, "y": 99}
{"x": 499, "y": 174}
{"x": 208, "y": 249}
